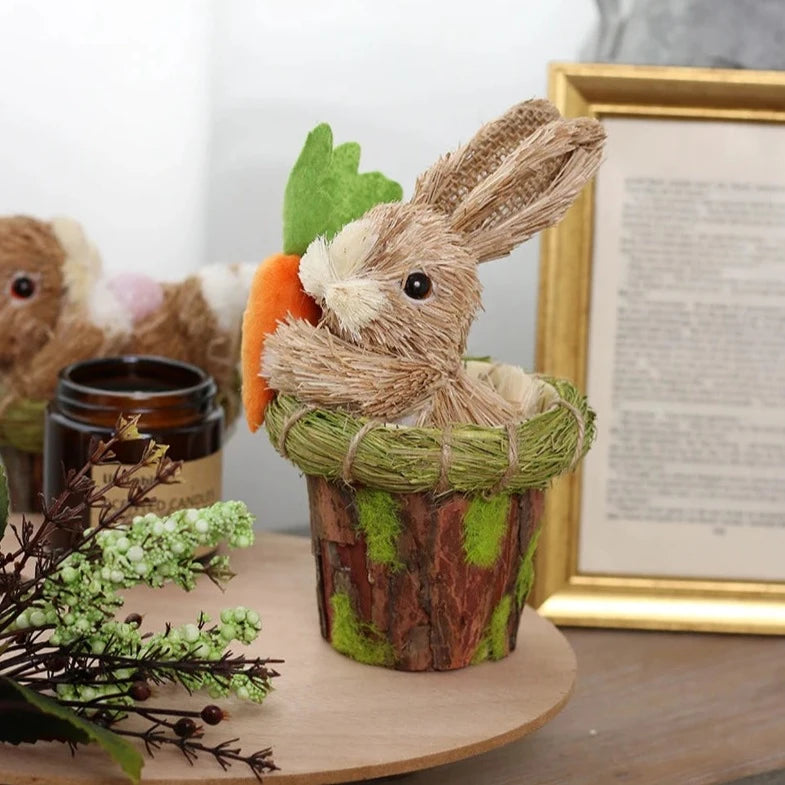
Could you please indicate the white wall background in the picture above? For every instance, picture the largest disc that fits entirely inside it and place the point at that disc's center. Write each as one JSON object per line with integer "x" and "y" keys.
{"x": 168, "y": 129}
{"x": 104, "y": 116}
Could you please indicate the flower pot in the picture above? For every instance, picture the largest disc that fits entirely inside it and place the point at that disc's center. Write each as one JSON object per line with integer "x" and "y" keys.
{"x": 421, "y": 582}
{"x": 424, "y": 538}
{"x": 21, "y": 451}
{"x": 25, "y": 471}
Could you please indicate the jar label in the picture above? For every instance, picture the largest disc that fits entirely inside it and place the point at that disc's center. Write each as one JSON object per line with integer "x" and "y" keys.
{"x": 198, "y": 484}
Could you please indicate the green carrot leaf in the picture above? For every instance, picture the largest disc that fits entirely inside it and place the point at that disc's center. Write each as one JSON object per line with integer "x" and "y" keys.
{"x": 326, "y": 191}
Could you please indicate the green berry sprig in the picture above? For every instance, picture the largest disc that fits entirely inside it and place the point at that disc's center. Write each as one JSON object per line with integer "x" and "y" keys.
{"x": 61, "y": 633}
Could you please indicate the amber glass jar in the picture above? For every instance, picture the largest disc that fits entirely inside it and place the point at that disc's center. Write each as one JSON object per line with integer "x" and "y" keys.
{"x": 176, "y": 405}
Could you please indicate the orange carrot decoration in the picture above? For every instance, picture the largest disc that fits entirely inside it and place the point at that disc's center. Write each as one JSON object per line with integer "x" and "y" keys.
{"x": 324, "y": 192}
{"x": 275, "y": 293}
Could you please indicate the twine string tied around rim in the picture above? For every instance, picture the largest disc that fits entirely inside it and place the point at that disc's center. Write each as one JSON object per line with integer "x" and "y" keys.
{"x": 288, "y": 423}
{"x": 580, "y": 424}
{"x": 354, "y": 445}
{"x": 445, "y": 456}
{"x": 512, "y": 459}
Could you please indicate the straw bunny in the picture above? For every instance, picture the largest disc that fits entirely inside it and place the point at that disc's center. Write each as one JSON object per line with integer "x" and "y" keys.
{"x": 398, "y": 288}
{"x": 57, "y": 306}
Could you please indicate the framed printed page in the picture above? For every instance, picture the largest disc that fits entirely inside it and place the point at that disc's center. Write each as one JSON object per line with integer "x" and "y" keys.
{"x": 662, "y": 295}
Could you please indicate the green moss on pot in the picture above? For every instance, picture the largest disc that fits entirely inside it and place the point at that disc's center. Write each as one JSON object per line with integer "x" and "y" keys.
{"x": 350, "y": 636}
{"x": 525, "y": 579}
{"x": 484, "y": 527}
{"x": 493, "y": 644}
{"x": 377, "y": 517}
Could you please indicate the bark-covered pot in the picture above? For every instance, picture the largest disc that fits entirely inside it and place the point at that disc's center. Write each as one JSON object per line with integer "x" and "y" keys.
{"x": 421, "y": 582}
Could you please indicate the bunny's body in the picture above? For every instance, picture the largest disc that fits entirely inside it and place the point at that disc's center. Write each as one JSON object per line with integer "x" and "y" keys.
{"x": 399, "y": 290}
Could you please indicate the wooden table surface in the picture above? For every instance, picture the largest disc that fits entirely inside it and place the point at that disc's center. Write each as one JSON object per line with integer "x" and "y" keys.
{"x": 329, "y": 719}
{"x": 651, "y": 708}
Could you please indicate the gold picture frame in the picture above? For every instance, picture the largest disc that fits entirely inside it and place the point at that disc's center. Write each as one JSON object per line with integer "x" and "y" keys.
{"x": 563, "y": 592}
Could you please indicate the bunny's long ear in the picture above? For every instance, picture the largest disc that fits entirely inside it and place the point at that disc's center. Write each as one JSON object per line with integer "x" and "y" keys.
{"x": 517, "y": 176}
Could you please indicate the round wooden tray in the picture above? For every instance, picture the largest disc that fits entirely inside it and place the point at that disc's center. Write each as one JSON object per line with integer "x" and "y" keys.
{"x": 330, "y": 719}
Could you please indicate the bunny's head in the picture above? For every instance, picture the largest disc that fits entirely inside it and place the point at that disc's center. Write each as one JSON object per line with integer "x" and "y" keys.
{"x": 403, "y": 278}
{"x": 44, "y": 266}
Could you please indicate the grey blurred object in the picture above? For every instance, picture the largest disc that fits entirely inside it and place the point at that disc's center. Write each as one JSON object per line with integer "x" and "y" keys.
{"x": 712, "y": 33}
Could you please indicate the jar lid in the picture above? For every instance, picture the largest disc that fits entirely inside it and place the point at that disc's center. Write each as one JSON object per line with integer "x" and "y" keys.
{"x": 158, "y": 389}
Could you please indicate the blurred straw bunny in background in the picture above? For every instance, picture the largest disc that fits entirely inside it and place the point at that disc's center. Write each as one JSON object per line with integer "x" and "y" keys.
{"x": 398, "y": 288}
{"x": 57, "y": 307}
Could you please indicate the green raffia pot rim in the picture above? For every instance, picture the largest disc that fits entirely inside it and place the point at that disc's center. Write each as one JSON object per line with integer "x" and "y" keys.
{"x": 407, "y": 459}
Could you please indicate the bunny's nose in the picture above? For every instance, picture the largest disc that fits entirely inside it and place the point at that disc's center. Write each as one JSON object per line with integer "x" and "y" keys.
{"x": 355, "y": 302}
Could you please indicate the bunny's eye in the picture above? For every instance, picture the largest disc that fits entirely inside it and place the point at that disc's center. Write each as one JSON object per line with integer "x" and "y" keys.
{"x": 22, "y": 287}
{"x": 418, "y": 286}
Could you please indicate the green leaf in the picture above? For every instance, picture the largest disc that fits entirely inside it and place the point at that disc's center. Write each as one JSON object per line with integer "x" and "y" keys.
{"x": 325, "y": 191}
{"x": 27, "y": 717}
{"x": 3, "y": 500}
